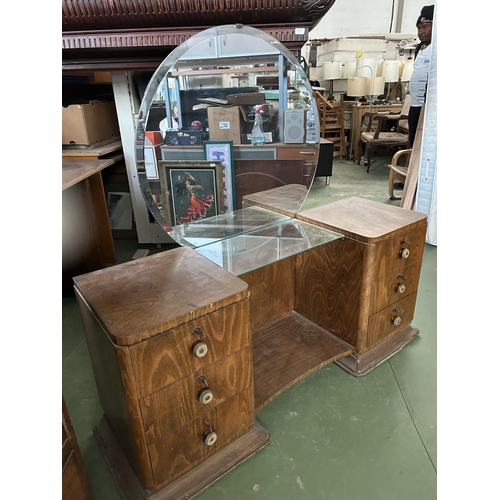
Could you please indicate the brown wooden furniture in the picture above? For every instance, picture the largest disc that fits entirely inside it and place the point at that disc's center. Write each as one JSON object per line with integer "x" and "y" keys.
{"x": 358, "y": 111}
{"x": 99, "y": 36}
{"x": 260, "y": 168}
{"x": 182, "y": 348}
{"x": 75, "y": 480}
{"x": 375, "y": 138}
{"x": 331, "y": 116}
{"x": 87, "y": 239}
{"x": 398, "y": 172}
{"x": 367, "y": 295}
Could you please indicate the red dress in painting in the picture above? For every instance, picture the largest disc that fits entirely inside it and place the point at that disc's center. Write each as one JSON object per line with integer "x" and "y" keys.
{"x": 197, "y": 208}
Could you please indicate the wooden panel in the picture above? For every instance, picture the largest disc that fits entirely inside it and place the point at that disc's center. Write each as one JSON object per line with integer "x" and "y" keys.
{"x": 254, "y": 176}
{"x": 75, "y": 480}
{"x": 169, "y": 408}
{"x": 73, "y": 485}
{"x": 364, "y": 220}
{"x": 360, "y": 364}
{"x": 271, "y": 292}
{"x": 117, "y": 394}
{"x": 380, "y": 325}
{"x": 388, "y": 253}
{"x": 143, "y": 298}
{"x": 385, "y": 290}
{"x": 288, "y": 350}
{"x": 306, "y": 153}
{"x": 169, "y": 356}
{"x": 186, "y": 486}
{"x": 80, "y": 242}
{"x": 182, "y": 449}
{"x": 332, "y": 288}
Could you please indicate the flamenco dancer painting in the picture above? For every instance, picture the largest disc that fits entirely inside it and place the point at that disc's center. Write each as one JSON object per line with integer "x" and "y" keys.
{"x": 191, "y": 193}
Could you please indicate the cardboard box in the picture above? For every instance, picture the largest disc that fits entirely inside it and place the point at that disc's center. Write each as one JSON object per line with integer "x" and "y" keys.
{"x": 251, "y": 98}
{"x": 224, "y": 124}
{"x": 89, "y": 123}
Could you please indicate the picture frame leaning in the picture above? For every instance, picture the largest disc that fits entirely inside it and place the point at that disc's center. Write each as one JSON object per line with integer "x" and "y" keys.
{"x": 223, "y": 151}
{"x": 190, "y": 190}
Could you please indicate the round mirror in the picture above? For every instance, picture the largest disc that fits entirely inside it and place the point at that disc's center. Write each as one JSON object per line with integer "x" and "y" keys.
{"x": 227, "y": 135}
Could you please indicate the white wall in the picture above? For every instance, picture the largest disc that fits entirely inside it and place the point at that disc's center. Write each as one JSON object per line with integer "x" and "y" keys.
{"x": 363, "y": 17}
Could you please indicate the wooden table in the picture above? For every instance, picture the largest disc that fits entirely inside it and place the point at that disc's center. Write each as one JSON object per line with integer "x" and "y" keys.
{"x": 87, "y": 239}
{"x": 358, "y": 112}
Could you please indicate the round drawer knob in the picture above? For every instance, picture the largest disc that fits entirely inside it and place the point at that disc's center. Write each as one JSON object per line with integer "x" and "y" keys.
{"x": 205, "y": 396}
{"x": 200, "y": 349}
{"x": 210, "y": 438}
{"x": 404, "y": 253}
{"x": 396, "y": 320}
{"x": 400, "y": 288}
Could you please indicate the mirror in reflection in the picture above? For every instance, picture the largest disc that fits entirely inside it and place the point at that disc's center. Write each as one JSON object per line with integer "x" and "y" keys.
{"x": 228, "y": 122}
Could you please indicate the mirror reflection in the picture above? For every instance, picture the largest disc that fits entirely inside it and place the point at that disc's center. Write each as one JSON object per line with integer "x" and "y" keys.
{"x": 228, "y": 123}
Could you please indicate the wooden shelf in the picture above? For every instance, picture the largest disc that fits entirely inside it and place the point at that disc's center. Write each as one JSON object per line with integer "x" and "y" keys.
{"x": 287, "y": 350}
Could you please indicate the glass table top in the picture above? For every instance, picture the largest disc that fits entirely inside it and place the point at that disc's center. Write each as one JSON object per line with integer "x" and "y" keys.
{"x": 213, "y": 229}
{"x": 263, "y": 246}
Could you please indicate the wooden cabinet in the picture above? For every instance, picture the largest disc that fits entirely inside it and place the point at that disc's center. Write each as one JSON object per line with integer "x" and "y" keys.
{"x": 368, "y": 292}
{"x": 172, "y": 358}
{"x": 75, "y": 480}
{"x": 186, "y": 351}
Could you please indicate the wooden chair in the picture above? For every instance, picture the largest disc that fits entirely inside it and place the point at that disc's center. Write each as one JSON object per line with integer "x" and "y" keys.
{"x": 374, "y": 138}
{"x": 331, "y": 115}
{"x": 398, "y": 172}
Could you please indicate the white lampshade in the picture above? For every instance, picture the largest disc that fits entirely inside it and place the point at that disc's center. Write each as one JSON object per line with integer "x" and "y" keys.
{"x": 316, "y": 74}
{"x": 407, "y": 71}
{"x": 378, "y": 85}
{"x": 366, "y": 67}
{"x": 332, "y": 70}
{"x": 357, "y": 86}
{"x": 401, "y": 63}
{"x": 390, "y": 70}
{"x": 348, "y": 69}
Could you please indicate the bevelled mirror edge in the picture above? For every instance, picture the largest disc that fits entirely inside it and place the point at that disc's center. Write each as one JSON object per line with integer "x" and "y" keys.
{"x": 177, "y": 62}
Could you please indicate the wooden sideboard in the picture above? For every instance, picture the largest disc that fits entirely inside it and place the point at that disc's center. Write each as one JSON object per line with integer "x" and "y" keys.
{"x": 182, "y": 366}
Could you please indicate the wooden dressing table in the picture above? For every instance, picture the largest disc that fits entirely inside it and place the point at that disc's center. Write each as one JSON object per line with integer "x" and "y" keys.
{"x": 189, "y": 344}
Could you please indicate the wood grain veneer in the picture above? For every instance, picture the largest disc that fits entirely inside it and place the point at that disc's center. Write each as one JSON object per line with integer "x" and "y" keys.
{"x": 178, "y": 403}
{"x": 166, "y": 300}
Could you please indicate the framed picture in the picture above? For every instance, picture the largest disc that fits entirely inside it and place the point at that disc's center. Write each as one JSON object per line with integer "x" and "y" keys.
{"x": 190, "y": 190}
{"x": 223, "y": 151}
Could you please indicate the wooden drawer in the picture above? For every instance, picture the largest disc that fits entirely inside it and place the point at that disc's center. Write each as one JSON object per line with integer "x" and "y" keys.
{"x": 394, "y": 286}
{"x": 381, "y": 325}
{"x": 308, "y": 154}
{"x": 177, "y": 452}
{"x": 390, "y": 253}
{"x": 169, "y": 356}
{"x": 178, "y": 403}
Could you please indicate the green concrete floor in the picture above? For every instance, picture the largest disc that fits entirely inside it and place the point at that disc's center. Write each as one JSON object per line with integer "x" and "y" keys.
{"x": 333, "y": 436}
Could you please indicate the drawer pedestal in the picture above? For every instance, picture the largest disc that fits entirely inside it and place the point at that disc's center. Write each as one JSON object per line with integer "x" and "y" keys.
{"x": 188, "y": 485}
{"x": 361, "y": 364}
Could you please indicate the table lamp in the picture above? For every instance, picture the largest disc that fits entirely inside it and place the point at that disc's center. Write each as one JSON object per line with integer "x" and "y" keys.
{"x": 407, "y": 70}
{"x": 332, "y": 71}
{"x": 357, "y": 87}
{"x": 390, "y": 71}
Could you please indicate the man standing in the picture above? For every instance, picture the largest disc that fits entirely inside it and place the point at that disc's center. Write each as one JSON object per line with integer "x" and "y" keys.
{"x": 419, "y": 78}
